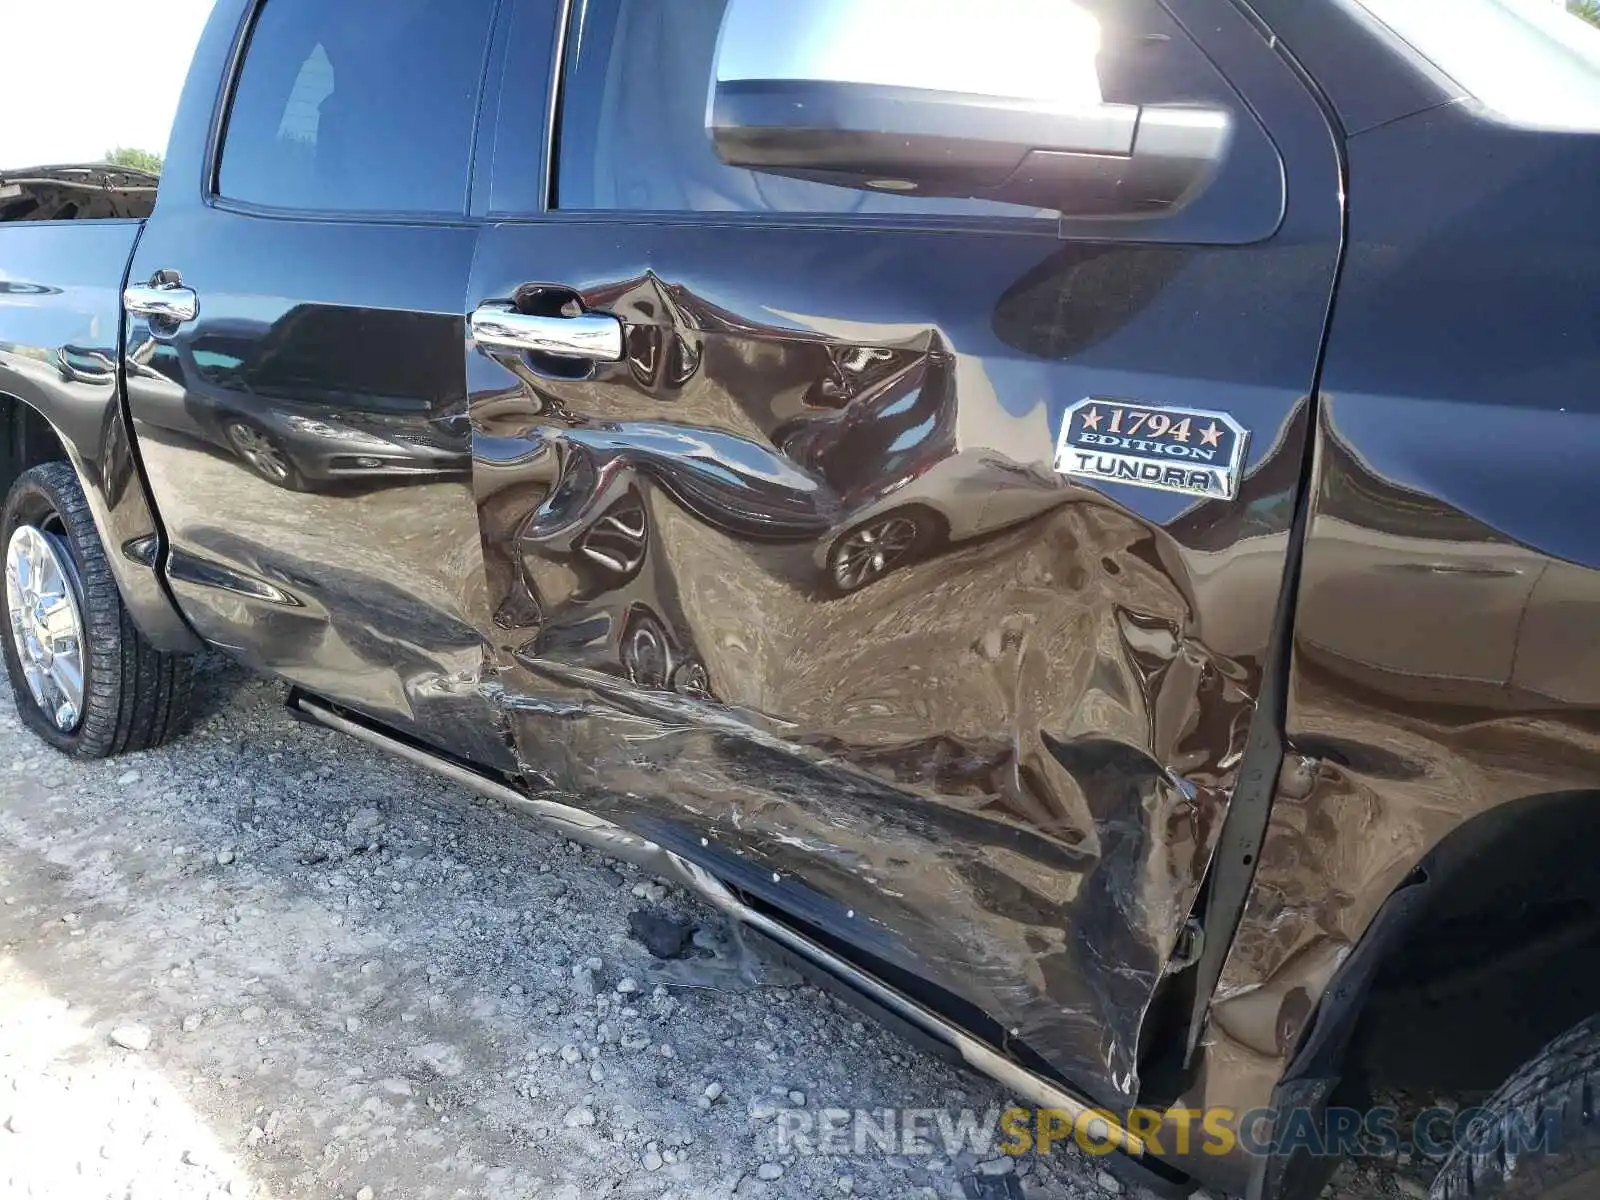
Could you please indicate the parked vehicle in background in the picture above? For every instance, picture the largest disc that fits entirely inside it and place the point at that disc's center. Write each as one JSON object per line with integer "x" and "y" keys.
{"x": 1075, "y": 519}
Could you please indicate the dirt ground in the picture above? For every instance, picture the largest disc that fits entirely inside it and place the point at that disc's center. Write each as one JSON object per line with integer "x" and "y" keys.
{"x": 269, "y": 962}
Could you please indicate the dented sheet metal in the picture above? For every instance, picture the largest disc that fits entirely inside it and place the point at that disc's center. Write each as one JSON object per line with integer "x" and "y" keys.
{"x": 992, "y": 762}
{"x": 1406, "y": 730}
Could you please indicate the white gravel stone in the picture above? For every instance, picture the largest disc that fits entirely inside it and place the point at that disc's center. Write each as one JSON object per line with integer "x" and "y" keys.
{"x": 1108, "y": 1182}
{"x": 769, "y": 1171}
{"x": 477, "y": 904}
{"x": 131, "y": 1037}
{"x": 440, "y": 1058}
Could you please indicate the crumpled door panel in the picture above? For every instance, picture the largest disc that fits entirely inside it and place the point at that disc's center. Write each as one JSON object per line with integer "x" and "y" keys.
{"x": 795, "y": 591}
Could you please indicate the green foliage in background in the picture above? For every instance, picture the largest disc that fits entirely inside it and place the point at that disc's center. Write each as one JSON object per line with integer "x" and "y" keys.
{"x": 139, "y": 160}
{"x": 1589, "y": 10}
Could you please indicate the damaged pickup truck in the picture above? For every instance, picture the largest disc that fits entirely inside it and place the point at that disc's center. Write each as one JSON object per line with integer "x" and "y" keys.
{"x": 1077, "y": 520}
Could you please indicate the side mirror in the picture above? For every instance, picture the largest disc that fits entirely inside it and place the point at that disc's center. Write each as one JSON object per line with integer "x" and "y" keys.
{"x": 997, "y": 101}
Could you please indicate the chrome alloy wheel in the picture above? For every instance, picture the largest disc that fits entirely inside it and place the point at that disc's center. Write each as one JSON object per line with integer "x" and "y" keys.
{"x": 260, "y": 452}
{"x": 871, "y": 551}
{"x": 46, "y": 622}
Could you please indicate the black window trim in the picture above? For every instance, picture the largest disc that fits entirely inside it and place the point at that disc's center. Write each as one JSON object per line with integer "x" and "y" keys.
{"x": 212, "y": 197}
{"x": 552, "y": 112}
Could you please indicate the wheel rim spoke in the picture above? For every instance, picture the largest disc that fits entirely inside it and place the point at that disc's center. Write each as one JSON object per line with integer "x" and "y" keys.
{"x": 873, "y": 551}
{"x": 260, "y": 451}
{"x": 68, "y": 675}
{"x": 46, "y": 623}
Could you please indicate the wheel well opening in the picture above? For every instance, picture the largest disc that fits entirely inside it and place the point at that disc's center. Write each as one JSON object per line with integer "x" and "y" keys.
{"x": 26, "y": 440}
{"x": 1504, "y": 958}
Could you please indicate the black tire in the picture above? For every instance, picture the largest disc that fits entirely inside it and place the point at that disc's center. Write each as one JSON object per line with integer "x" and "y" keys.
{"x": 1555, "y": 1091}
{"x": 134, "y": 696}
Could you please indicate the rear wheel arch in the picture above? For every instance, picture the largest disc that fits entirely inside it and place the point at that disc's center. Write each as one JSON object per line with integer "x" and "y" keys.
{"x": 105, "y": 462}
{"x": 27, "y": 438}
{"x": 1409, "y": 995}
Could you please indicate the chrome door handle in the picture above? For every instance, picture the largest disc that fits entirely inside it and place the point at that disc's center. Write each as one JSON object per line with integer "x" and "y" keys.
{"x": 162, "y": 299}
{"x": 596, "y": 336}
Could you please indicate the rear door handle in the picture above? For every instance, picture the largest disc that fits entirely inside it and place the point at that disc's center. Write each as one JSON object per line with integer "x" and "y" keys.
{"x": 164, "y": 298}
{"x": 596, "y": 336}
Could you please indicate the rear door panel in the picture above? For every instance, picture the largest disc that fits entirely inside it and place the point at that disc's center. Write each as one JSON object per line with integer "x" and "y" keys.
{"x": 305, "y": 436}
{"x": 338, "y": 346}
{"x": 997, "y": 772}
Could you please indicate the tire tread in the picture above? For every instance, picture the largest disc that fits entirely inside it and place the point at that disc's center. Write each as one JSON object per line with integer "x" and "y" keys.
{"x": 136, "y": 697}
{"x": 1560, "y": 1080}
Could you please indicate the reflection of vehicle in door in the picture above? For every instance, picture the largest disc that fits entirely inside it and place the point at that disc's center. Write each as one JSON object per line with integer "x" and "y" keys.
{"x": 80, "y": 365}
{"x": 863, "y": 471}
{"x": 958, "y": 499}
{"x": 1218, "y": 731}
{"x": 239, "y": 387}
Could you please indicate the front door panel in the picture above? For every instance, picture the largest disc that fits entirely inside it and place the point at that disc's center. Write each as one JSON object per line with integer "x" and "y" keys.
{"x": 795, "y": 589}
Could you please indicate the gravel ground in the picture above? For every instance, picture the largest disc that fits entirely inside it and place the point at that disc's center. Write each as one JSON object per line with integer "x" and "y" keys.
{"x": 270, "y": 962}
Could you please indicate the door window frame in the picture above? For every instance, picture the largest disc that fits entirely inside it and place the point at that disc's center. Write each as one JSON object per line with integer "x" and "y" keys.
{"x": 514, "y": 198}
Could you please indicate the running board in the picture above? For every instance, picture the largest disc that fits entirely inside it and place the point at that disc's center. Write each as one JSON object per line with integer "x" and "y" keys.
{"x": 607, "y": 838}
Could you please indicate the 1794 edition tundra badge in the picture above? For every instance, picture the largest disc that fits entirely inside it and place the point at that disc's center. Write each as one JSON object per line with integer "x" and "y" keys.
{"x": 1188, "y": 450}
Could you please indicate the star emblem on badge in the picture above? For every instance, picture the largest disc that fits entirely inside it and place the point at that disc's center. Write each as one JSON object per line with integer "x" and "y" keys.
{"x": 1211, "y": 435}
{"x": 1091, "y": 419}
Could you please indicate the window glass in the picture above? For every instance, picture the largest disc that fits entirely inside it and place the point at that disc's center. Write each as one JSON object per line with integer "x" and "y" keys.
{"x": 1532, "y": 61}
{"x": 357, "y": 106}
{"x": 633, "y": 125}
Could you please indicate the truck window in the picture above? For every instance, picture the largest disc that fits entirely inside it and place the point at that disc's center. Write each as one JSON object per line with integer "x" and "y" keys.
{"x": 361, "y": 106}
{"x": 1530, "y": 61}
{"x": 633, "y": 120}
{"x": 641, "y": 79}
